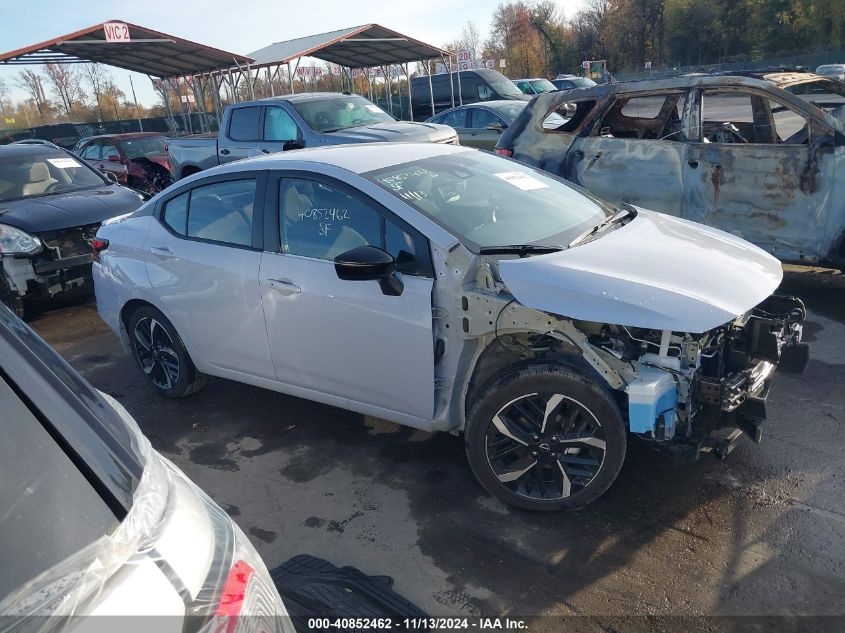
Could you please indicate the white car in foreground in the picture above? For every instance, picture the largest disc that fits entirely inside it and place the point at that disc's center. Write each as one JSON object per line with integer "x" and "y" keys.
{"x": 96, "y": 523}
{"x": 449, "y": 289}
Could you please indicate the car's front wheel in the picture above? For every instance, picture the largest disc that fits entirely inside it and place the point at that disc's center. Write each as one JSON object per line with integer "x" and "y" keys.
{"x": 160, "y": 354}
{"x": 545, "y": 437}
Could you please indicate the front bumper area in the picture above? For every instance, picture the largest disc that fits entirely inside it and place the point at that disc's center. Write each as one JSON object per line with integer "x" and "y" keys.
{"x": 730, "y": 388}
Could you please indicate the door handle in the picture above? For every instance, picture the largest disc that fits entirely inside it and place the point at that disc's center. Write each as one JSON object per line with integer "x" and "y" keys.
{"x": 284, "y": 286}
{"x": 266, "y": 151}
{"x": 161, "y": 251}
{"x": 693, "y": 164}
{"x": 224, "y": 151}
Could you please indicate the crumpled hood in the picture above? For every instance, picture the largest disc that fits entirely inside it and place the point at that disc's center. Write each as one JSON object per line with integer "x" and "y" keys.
{"x": 657, "y": 272}
{"x": 395, "y": 131}
{"x": 64, "y": 210}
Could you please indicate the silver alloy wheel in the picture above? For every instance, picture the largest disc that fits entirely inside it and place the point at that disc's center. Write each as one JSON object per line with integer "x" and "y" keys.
{"x": 156, "y": 354}
{"x": 545, "y": 446}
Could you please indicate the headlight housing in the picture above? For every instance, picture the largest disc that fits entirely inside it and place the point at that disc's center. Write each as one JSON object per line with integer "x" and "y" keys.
{"x": 13, "y": 241}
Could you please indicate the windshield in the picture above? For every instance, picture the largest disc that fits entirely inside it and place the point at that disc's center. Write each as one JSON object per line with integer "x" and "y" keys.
{"x": 542, "y": 85}
{"x": 502, "y": 85}
{"x": 583, "y": 82}
{"x": 339, "y": 113}
{"x": 39, "y": 174}
{"x": 833, "y": 69}
{"x": 143, "y": 147}
{"x": 487, "y": 201}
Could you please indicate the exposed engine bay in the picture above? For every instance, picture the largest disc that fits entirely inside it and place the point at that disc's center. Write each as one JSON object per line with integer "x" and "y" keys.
{"x": 687, "y": 386}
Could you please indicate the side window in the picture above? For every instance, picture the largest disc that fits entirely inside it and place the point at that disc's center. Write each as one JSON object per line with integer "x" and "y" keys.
{"x": 222, "y": 212}
{"x": 92, "y": 151}
{"x": 175, "y": 213}
{"x": 244, "y": 124}
{"x": 568, "y": 116}
{"x": 481, "y": 118}
{"x": 525, "y": 88}
{"x": 484, "y": 92}
{"x": 736, "y": 117}
{"x": 279, "y": 125}
{"x": 656, "y": 117}
{"x": 791, "y": 128}
{"x": 455, "y": 118}
{"x": 320, "y": 221}
{"x": 109, "y": 150}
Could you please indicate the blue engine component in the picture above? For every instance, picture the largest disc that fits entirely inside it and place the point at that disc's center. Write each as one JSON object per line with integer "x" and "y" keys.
{"x": 652, "y": 394}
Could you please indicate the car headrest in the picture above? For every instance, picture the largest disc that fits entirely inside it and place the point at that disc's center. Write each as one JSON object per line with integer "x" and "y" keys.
{"x": 39, "y": 172}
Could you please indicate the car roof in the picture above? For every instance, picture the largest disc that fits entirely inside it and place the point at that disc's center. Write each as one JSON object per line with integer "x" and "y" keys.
{"x": 530, "y": 79}
{"x": 121, "y": 137}
{"x": 307, "y": 96}
{"x": 28, "y": 149}
{"x": 357, "y": 158}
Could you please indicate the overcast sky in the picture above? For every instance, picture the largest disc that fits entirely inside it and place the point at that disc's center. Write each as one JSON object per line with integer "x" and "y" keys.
{"x": 239, "y": 27}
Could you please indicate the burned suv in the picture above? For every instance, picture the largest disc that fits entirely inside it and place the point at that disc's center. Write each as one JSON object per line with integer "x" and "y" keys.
{"x": 757, "y": 155}
{"x": 51, "y": 205}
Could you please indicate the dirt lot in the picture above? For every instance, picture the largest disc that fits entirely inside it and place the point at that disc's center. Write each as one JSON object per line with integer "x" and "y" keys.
{"x": 761, "y": 533}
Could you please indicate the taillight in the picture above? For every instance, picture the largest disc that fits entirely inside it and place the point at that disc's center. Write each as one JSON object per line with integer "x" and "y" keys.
{"x": 98, "y": 244}
{"x": 501, "y": 151}
{"x": 232, "y": 598}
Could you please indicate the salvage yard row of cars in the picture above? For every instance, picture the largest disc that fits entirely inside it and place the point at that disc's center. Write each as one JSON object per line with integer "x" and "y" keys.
{"x": 550, "y": 323}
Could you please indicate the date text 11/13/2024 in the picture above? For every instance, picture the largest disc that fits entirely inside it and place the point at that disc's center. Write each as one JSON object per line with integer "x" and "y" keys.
{"x": 422, "y": 624}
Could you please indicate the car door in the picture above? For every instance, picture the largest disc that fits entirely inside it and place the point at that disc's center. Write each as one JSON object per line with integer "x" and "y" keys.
{"x": 203, "y": 257}
{"x": 479, "y": 136}
{"x": 242, "y": 135}
{"x": 634, "y": 152}
{"x": 110, "y": 161}
{"x": 762, "y": 170}
{"x": 457, "y": 119}
{"x": 347, "y": 341}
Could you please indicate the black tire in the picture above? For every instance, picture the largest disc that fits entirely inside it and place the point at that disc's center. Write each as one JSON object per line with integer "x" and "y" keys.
{"x": 567, "y": 464}
{"x": 160, "y": 354}
{"x": 9, "y": 297}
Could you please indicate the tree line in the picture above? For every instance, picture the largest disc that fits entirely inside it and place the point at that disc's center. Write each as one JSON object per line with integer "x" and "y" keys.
{"x": 536, "y": 39}
{"x": 65, "y": 92}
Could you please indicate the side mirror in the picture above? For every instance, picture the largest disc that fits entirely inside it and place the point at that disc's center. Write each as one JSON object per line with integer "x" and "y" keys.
{"x": 110, "y": 176}
{"x": 114, "y": 158}
{"x": 368, "y": 263}
{"x": 293, "y": 144}
{"x": 495, "y": 126}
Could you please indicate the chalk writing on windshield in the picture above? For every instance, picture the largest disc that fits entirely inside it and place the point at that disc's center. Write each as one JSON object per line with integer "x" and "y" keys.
{"x": 397, "y": 181}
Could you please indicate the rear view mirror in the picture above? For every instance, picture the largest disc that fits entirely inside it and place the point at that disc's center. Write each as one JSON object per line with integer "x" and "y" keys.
{"x": 495, "y": 127}
{"x": 368, "y": 263}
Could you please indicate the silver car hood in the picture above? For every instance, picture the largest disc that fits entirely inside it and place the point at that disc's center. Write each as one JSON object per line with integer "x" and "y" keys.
{"x": 657, "y": 272}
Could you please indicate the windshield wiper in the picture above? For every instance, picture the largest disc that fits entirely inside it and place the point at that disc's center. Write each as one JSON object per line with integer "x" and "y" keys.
{"x": 523, "y": 250}
{"x": 619, "y": 216}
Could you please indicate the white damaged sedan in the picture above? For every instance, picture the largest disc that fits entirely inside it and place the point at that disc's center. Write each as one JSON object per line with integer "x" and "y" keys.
{"x": 453, "y": 290}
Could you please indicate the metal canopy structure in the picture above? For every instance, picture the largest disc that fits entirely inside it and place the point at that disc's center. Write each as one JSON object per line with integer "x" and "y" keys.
{"x": 356, "y": 47}
{"x": 138, "y": 49}
{"x": 171, "y": 60}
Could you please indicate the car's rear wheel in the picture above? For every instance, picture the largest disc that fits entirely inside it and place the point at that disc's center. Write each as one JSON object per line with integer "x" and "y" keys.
{"x": 545, "y": 437}
{"x": 160, "y": 354}
{"x": 9, "y": 297}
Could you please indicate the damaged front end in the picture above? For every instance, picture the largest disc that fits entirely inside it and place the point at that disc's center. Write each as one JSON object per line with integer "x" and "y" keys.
{"x": 695, "y": 393}
{"x": 60, "y": 267}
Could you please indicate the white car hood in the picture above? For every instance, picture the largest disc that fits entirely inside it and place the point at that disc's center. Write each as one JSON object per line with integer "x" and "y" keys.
{"x": 657, "y": 272}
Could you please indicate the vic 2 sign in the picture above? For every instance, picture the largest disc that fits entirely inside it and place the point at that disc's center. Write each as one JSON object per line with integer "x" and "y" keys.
{"x": 116, "y": 32}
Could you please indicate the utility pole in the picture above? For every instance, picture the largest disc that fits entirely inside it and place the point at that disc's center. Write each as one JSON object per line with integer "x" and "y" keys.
{"x": 137, "y": 110}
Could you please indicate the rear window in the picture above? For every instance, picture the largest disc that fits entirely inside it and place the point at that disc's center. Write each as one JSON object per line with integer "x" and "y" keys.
{"x": 49, "y": 510}
{"x": 244, "y": 124}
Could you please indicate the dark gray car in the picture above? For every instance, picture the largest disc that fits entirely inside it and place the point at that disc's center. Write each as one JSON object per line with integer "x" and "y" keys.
{"x": 296, "y": 121}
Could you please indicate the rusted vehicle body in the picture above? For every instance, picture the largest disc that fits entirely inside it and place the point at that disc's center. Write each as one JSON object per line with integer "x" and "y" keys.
{"x": 759, "y": 156}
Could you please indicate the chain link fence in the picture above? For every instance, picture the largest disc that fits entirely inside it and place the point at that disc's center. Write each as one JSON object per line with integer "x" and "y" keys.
{"x": 808, "y": 62}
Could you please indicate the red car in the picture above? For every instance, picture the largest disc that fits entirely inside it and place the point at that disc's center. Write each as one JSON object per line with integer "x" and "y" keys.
{"x": 138, "y": 160}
